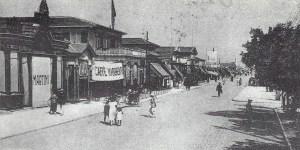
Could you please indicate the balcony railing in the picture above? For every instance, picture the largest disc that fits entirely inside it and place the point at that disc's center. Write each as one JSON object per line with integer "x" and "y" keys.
{"x": 121, "y": 52}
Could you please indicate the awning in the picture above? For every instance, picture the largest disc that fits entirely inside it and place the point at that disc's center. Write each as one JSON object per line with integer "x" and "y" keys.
{"x": 170, "y": 71}
{"x": 212, "y": 73}
{"x": 178, "y": 71}
{"x": 159, "y": 70}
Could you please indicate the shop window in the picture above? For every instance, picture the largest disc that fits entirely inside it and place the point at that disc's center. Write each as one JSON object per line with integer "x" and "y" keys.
{"x": 2, "y": 71}
{"x": 14, "y": 72}
{"x": 84, "y": 37}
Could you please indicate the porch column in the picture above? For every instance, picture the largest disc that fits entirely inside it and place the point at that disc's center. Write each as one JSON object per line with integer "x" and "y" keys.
{"x": 7, "y": 71}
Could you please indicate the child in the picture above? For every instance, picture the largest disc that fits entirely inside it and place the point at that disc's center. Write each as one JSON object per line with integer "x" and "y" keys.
{"x": 152, "y": 105}
{"x": 119, "y": 116}
{"x": 53, "y": 104}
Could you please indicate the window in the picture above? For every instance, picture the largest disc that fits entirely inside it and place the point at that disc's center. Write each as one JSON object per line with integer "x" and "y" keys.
{"x": 105, "y": 43}
{"x": 65, "y": 36}
{"x": 84, "y": 37}
{"x": 98, "y": 43}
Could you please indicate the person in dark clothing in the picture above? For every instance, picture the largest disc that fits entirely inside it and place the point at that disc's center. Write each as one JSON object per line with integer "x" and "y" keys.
{"x": 53, "y": 103}
{"x": 60, "y": 99}
{"x": 106, "y": 110}
{"x": 219, "y": 89}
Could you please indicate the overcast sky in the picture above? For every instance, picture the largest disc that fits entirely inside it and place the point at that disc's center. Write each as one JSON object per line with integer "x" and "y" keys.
{"x": 222, "y": 24}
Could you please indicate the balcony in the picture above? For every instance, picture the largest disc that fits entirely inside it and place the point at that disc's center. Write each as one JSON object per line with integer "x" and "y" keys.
{"x": 126, "y": 52}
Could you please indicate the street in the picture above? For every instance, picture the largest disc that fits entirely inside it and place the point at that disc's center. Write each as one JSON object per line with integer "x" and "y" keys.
{"x": 195, "y": 119}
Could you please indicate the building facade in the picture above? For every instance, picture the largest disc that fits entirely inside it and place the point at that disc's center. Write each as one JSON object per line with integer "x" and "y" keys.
{"x": 31, "y": 61}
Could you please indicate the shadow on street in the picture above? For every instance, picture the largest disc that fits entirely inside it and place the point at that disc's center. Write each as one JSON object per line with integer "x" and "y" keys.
{"x": 263, "y": 125}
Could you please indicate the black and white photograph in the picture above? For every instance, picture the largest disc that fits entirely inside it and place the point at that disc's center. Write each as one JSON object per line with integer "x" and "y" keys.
{"x": 149, "y": 74}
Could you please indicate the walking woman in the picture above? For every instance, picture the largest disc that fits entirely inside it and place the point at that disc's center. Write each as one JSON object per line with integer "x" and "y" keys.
{"x": 219, "y": 89}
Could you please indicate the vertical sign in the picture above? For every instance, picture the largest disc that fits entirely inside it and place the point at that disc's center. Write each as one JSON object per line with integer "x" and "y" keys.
{"x": 41, "y": 81}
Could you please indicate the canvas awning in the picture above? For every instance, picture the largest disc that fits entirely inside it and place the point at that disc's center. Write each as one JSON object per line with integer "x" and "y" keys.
{"x": 159, "y": 70}
{"x": 178, "y": 71}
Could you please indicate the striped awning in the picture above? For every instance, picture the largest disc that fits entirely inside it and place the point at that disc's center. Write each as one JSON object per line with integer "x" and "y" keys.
{"x": 159, "y": 70}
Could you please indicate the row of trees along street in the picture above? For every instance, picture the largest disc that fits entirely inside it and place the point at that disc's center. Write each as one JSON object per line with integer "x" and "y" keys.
{"x": 275, "y": 56}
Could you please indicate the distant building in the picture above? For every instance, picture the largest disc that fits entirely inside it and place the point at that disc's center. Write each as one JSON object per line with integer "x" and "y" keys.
{"x": 212, "y": 59}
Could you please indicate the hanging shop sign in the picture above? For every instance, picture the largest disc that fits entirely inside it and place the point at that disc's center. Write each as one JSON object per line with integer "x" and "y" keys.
{"x": 107, "y": 71}
{"x": 83, "y": 69}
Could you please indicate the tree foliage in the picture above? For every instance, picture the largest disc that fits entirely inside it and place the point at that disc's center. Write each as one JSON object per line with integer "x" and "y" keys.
{"x": 275, "y": 55}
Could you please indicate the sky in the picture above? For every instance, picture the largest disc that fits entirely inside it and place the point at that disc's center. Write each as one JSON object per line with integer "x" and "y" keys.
{"x": 205, "y": 24}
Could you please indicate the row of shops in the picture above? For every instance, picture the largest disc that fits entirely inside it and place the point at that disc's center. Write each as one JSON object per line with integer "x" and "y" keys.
{"x": 41, "y": 54}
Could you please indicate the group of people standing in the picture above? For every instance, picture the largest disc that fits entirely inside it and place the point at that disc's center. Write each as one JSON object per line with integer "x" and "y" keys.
{"x": 113, "y": 111}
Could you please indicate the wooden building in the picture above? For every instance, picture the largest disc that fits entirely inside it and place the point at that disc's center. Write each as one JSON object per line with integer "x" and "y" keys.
{"x": 31, "y": 61}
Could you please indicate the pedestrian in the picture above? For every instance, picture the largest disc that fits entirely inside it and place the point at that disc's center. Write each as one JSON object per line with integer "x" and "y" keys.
{"x": 106, "y": 110}
{"x": 60, "y": 100}
{"x": 219, "y": 89}
{"x": 152, "y": 108}
{"x": 240, "y": 81}
{"x": 249, "y": 110}
{"x": 119, "y": 116}
{"x": 53, "y": 103}
{"x": 185, "y": 83}
{"x": 112, "y": 111}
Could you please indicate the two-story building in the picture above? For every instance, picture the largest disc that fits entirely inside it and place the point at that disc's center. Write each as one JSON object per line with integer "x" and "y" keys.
{"x": 180, "y": 58}
{"x": 157, "y": 74}
{"x": 31, "y": 61}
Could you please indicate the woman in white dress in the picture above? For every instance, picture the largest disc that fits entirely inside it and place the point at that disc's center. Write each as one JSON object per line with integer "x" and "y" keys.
{"x": 112, "y": 111}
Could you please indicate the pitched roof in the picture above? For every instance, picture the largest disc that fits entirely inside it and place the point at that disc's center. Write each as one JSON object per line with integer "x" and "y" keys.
{"x": 80, "y": 48}
{"x": 137, "y": 41}
{"x": 64, "y": 22}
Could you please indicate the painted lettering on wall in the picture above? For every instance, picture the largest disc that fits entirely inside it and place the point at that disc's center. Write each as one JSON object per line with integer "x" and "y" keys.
{"x": 40, "y": 80}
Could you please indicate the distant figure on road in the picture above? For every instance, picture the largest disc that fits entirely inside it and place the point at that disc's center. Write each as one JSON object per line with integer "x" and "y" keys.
{"x": 240, "y": 81}
{"x": 106, "y": 110}
{"x": 249, "y": 110}
{"x": 152, "y": 106}
{"x": 219, "y": 89}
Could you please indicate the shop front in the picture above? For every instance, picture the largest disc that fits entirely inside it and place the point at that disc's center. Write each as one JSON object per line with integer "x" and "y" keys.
{"x": 77, "y": 76}
{"x": 159, "y": 77}
{"x": 30, "y": 70}
{"x": 108, "y": 78}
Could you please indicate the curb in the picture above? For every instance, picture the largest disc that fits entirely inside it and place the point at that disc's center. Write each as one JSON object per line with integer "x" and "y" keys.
{"x": 57, "y": 124}
{"x": 283, "y": 131}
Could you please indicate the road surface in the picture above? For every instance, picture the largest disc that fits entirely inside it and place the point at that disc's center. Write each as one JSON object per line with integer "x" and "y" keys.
{"x": 195, "y": 119}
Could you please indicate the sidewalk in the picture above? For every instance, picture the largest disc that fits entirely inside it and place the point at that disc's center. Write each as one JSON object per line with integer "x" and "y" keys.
{"x": 264, "y": 103}
{"x": 259, "y": 96}
{"x": 29, "y": 120}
